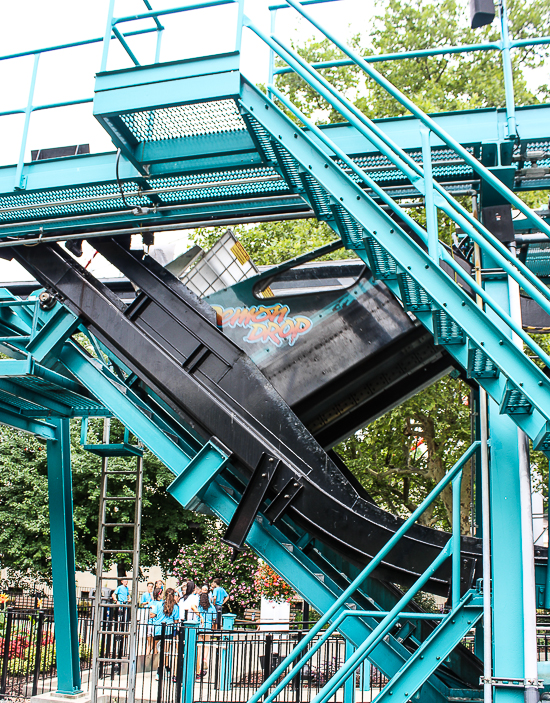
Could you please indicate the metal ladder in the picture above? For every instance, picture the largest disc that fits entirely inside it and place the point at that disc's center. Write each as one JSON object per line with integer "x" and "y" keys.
{"x": 114, "y": 643}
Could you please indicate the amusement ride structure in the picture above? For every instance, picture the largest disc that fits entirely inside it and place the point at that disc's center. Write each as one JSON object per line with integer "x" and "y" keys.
{"x": 244, "y": 393}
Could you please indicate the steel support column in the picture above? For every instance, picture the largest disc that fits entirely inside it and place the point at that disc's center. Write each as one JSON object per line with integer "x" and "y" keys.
{"x": 63, "y": 562}
{"x": 505, "y": 509}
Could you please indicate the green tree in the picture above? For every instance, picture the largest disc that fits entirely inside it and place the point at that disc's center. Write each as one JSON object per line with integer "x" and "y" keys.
{"x": 401, "y": 456}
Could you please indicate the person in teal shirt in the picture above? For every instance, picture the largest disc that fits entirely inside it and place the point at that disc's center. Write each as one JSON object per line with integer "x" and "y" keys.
{"x": 147, "y": 598}
{"x": 207, "y": 611}
{"x": 122, "y": 593}
{"x": 219, "y": 598}
{"x": 164, "y": 612}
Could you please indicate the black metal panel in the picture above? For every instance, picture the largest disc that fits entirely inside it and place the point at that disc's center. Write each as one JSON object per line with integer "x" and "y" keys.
{"x": 238, "y": 406}
{"x": 249, "y": 505}
{"x": 361, "y": 355}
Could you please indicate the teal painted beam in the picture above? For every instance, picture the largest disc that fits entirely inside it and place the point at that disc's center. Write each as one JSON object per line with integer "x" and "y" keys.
{"x": 189, "y": 486}
{"x": 8, "y": 417}
{"x": 507, "y": 590}
{"x": 119, "y": 401}
{"x": 59, "y": 325}
{"x": 60, "y": 494}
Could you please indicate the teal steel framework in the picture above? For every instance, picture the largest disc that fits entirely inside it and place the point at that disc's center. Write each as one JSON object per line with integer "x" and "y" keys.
{"x": 253, "y": 163}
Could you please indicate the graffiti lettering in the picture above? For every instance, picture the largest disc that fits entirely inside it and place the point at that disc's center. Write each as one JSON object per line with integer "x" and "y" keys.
{"x": 265, "y": 323}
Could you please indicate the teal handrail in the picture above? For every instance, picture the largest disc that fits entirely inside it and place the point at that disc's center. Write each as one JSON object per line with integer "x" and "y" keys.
{"x": 428, "y": 121}
{"x": 355, "y": 584}
{"x": 420, "y": 53}
{"x": 379, "y": 632}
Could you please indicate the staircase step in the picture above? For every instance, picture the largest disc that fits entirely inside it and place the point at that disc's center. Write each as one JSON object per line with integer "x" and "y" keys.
{"x": 350, "y": 230}
{"x": 542, "y": 440}
{"x": 317, "y": 195}
{"x": 446, "y": 330}
{"x": 514, "y": 401}
{"x": 382, "y": 265}
{"x": 413, "y": 296}
{"x": 479, "y": 364}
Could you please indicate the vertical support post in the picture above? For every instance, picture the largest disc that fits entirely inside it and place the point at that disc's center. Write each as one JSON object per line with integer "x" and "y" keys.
{"x": 226, "y": 658}
{"x": 507, "y": 70}
{"x": 527, "y": 546}
{"x": 507, "y": 567}
{"x": 63, "y": 563}
{"x": 429, "y": 205}
{"x": 486, "y": 541}
{"x": 38, "y": 655}
{"x": 190, "y": 661}
{"x": 107, "y": 37}
{"x": 157, "y": 48}
{"x": 349, "y": 686}
{"x": 455, "y": 589}
{"x": 364, "y": 677}
{"x": 240, "y": 15}
{"x": 18, "y": 182}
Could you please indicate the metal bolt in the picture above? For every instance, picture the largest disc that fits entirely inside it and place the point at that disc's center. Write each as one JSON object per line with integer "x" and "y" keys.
{"x": 286, "y": 496}
{"x": 264, "y": 475}
{"x": 47, "y": 300}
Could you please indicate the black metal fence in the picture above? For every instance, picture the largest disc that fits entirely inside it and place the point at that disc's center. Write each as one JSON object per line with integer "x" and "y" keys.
{"x": 229, "y": 665}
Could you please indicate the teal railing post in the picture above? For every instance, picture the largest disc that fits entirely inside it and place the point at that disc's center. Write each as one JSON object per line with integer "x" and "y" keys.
{"x": 429, "y": 205}
{"x": 226, "y": 653}
{"x": 507, "y": 71}
{"x": 107, "y": 37}
{"x": 455, "y": 580}
{"x": 189, "y": 661}
{"x": 18, "y": 182}
{"x": 271, "y": 77}
{"x": 63, "y": 562}
{"x": 240, "y": 17}
{"x": 364, "y": 677}
{"x": 349, "y": 686}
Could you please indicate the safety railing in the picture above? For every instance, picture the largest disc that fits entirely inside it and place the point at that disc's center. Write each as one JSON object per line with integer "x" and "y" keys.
{"x": 338, "y": 612}
{"x": 436, "y": 197}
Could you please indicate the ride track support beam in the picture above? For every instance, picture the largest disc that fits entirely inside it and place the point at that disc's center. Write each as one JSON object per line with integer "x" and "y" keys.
{"x": 63, "y": 560}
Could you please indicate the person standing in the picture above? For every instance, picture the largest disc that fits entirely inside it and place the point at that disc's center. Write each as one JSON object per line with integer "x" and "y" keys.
{"x": 164, "y": 612}
{"x": 147, "y": 598}
{"x": 219, "y": 599}
{"x": 121, "y": 596}
{"x": 189, "y": 608}
{"x": 207, "y": 611}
